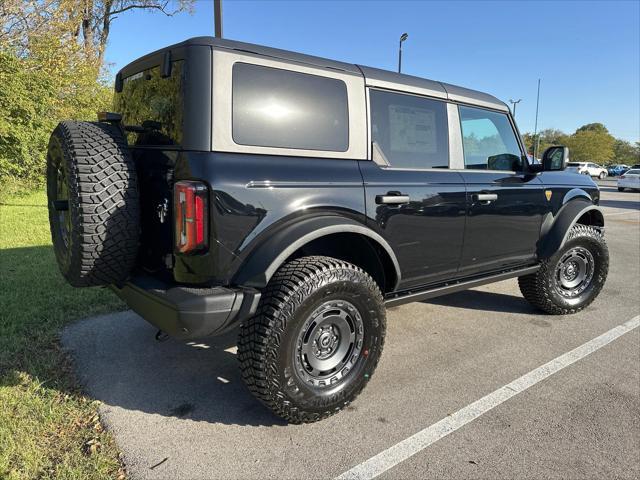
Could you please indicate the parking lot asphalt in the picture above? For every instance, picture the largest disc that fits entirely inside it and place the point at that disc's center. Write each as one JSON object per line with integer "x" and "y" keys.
{"x": 180, "y": 410}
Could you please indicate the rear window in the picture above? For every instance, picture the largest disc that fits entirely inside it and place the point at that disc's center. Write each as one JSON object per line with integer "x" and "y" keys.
{"x": 280, "y": 108}
{"x": 155, "y": 104}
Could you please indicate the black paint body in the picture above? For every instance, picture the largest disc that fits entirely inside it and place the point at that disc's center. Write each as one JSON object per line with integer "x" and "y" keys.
{"x": 265, "y": 209}
{"x": 440, "y": 235}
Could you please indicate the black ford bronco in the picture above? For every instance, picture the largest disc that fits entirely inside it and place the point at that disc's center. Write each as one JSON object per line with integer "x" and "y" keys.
{"x": 296, "y": 197}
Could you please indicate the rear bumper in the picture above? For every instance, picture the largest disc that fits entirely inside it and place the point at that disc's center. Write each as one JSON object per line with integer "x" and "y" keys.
{"x": 187, "y": 312}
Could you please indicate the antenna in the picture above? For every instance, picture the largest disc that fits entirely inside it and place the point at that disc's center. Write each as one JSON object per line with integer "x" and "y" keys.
{"x": 217, "y": 17}
{"x": 535, "y": 130}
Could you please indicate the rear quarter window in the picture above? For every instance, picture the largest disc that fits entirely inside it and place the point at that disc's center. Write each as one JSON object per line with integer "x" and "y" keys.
{"x": 155, "y": 103}
{"x": 279, "y": 108}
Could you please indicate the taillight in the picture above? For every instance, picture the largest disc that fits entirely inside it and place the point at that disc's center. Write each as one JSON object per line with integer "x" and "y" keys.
{"x": 190, "y": 200}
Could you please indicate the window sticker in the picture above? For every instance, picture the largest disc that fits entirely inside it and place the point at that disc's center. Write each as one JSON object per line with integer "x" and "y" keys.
{"x": 412, "y": 130}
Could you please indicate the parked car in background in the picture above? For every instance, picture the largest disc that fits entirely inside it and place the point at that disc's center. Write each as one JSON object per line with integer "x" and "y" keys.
{"x": 629, "y": 179}
{"x": 637, "y": 165}
{"x": 615, "y": 170}
{"x": 573, "y": 167}
{"x": 587, "y": 168}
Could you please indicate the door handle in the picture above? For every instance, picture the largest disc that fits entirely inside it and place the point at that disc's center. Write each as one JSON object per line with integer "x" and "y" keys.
{"x": 392, "y": 199}
{"x": 486, "y": 197}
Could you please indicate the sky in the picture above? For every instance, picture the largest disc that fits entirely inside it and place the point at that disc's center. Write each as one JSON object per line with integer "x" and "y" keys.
{"x": 586, "y": 53}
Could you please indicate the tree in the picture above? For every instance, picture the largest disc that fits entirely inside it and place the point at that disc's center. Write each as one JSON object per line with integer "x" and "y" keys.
{"x": 591, "y": 143}
{"x": 547, "y": 138}
{"x": 97, "y": 16}
{"x": 87, "y": 22}
{"x": 593, "y": 127}
{"x": 624, "y": 152}
{"x": 51, "y": 56}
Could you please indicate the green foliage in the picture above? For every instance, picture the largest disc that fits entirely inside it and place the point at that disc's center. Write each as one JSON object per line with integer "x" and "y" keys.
{"x": 589, "y": 143}
{"x": 546, "y": 139}
{"x": 625, "y": 153}
{"x": 33, "y": 99}
{"x": 593, "y": 127}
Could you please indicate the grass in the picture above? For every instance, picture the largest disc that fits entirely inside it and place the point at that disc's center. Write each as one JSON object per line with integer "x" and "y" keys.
{"x": 48, "y": 428}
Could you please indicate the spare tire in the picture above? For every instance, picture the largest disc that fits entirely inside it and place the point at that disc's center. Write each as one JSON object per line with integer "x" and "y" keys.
{"x": 94, "y": 209}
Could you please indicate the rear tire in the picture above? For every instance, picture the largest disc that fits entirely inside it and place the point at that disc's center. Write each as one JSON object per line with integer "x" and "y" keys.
{"x": 602, "y": 175}
{"x": 315, "y": 339}
{"x": 94, "y": 211}
{"x": 572, "y": 278}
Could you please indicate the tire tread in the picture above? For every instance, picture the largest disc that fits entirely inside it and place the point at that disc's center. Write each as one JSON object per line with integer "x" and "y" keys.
{"x": 103, "y": 190}
{"x": 535, "y": 287}
{"x": 261, "y": 336}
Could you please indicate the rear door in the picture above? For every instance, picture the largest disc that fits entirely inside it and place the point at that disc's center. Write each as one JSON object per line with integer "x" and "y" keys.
{"x": 505, "y": 203}
{"x": 413, "y": 199}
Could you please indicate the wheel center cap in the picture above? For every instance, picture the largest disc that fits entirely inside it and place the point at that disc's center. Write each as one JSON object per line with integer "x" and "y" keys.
{"x": 571, "y": 270}
{"x": 326, "y": 342}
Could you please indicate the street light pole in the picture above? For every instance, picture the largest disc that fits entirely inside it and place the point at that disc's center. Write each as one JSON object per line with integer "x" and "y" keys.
{"x": 217, "y": 17}
{"x": 514, "y": 103}
{"x": 403, "y": 37}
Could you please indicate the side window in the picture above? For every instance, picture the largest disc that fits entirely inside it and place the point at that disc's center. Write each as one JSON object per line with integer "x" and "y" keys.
{"x": 410, "y": 131}
{"x": 280, "y": 108}
{"x": 488, "y": 140}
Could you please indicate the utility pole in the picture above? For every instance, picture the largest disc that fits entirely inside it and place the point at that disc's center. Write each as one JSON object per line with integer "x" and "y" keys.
{"x": 514, "y": 103}
{"x": 535, "y": 130}
{"x": 217, "y": 17}
{"x": 403, "y": 37}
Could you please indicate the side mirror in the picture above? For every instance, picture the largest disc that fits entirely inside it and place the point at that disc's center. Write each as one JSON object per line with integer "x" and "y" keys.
{"x": 555, "y": 158}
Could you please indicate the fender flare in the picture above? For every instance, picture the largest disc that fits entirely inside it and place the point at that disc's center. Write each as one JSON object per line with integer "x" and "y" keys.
{"x": 262, "y": 263}
{"x": 576, "y": 194}
{"x": 566, "y": 218}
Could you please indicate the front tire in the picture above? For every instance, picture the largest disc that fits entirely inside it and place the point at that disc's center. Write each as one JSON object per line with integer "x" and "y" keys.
{"x": 602, "y": 175}
{"x": 315, "y": 339}
{"x": 572, "y": 278}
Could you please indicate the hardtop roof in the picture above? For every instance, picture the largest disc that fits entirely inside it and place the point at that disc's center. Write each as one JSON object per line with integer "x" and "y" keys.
{"x": 373, "y": 76}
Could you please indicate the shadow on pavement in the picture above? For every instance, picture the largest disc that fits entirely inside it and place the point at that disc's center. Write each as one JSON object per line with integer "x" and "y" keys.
{"x": 487, "y": 301}
{"x": 121, "y": 364}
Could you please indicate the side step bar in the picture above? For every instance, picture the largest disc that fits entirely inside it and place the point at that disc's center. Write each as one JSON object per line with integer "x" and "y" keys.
{"x": 452, "y": 287}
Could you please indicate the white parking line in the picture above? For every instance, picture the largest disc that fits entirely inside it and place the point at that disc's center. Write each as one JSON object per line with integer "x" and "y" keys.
{"x": 620, "y": 213}
{"x": 403, "y": 450}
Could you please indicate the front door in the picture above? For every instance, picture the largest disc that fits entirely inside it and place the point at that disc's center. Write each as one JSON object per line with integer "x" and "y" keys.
{"x": 413, "y": 200}
{"x": 505, "y": 202}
